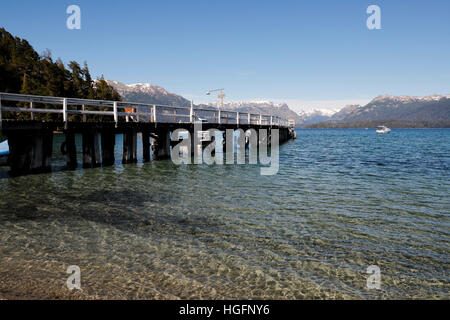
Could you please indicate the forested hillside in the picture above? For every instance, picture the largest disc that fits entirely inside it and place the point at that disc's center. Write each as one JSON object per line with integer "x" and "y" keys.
{"x": 23, "y": 70}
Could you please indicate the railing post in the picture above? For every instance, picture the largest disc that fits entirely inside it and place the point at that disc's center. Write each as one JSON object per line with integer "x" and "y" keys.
{"x": 65, "y": 110}
{"x": 260, "y": 119}
{"x": 83, "y": 108}
{"x": 249, "y": 118}
{"x": 237, "y": 118}
{"x": 154, "y": 113}
{"x": 220, "y": 116}
{"x": 191, "y": 112}
{"x": 32, "y": 113}
{"x": 116, "y": 116}
{"x": 271, "y": 120}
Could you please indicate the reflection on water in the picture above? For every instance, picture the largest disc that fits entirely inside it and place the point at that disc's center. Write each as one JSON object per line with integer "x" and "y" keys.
{"x": 342, "y": 200}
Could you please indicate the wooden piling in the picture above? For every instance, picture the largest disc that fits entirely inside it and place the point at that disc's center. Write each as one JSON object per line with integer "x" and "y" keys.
{"x": 129, "y": 146}
{"x": 146, "y": 146}
{"x": 43, "y": 148}
{"x": 161, "y": 145}
{"x": 71, "y": 150}
{"x": 91, "y": 154}
{"x": 108, "y": 141}
{"x": 20, "y": 153}
{"x": 228, "y": 146}
{"x": 211, "y": 142}
{"x": 30, "y": 152}
{"x": 196, "y": 145}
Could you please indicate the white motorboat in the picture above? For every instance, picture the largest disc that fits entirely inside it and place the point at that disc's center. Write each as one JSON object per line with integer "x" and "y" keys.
{"x": 383, "y": 129}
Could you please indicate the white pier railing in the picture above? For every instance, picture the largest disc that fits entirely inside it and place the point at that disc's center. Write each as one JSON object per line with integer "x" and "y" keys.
{"x": 131, "y": 111}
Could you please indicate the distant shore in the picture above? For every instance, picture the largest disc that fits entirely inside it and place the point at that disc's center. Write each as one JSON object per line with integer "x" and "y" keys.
{"x": 396, "y": 124}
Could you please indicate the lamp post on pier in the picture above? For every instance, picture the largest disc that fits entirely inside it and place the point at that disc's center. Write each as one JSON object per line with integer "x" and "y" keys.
{"x": 221, "y": 95}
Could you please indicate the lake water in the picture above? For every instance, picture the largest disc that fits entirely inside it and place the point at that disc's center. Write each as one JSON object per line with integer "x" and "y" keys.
{"x": 342, "y": 200}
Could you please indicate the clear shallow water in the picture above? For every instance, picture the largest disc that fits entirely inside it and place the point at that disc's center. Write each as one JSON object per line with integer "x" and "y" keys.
{"x": 342, "y": 200}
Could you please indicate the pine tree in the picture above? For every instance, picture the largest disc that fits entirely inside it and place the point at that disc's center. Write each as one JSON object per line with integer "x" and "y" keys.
{"x": 88, "y": 83}
{"x": 77, "y": 79}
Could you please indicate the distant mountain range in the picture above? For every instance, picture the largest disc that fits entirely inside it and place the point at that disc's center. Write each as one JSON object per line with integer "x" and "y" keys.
{"x": 153, "y": 94}
{"x": 426, "y": 111}
{"x": 428, "y": 108}
{"x": 148, "y": 93}
{"x": 408, "y": 111}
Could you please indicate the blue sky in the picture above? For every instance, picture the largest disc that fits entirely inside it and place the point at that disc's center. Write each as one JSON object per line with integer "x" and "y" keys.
{"x": 312, "y": 54}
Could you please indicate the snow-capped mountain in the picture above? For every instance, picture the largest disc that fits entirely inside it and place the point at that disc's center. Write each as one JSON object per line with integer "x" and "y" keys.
{"x": 258, "y": 106}
{"x": 242, "y": 105}
{"x": 430, "y": 108}
{"x": 308, "y": 117}
{"x": 344, "y": 112}
{"x": 407, "y": 108}
{"x": 396, "y": 111}
{"x": 148, "y": 93}
{"x": 408, "y": 99}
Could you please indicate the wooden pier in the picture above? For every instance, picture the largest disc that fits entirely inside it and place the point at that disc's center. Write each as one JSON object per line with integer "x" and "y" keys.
{"x": 31, "y": 139}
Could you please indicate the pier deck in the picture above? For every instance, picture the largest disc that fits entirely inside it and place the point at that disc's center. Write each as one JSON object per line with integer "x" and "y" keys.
{"x": 29, "y": 123}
